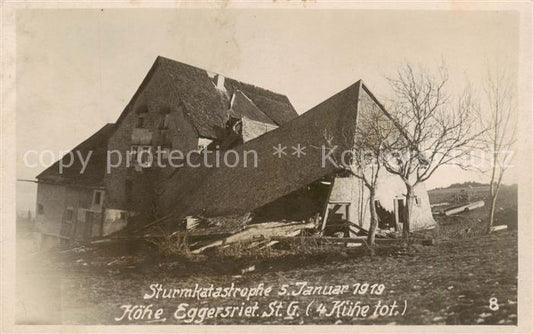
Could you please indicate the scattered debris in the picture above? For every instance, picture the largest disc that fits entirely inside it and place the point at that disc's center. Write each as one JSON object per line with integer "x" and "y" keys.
{"x": 463, "y": 208}
{"x": 269, "y": 244}
{"x": 191, "y": 223}
{"x": 82, "y": 262}
{"x": 195, "y": 235}
{"x": 248, "y": 269}
{"x": 113, "y": 262}
{"x": 354, "y": 244}
{"x": 75, "y": 250}
{"x": 440, "y": 204}
{"x": 264, "y": 230}
{"x": 498, "y": 228}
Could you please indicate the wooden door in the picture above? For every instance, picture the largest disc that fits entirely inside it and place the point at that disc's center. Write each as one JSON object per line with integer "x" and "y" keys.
{"x": 399, "y": 213}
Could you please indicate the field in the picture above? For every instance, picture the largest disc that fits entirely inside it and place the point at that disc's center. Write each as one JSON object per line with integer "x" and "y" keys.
{"x": 465, "y": 278}
{"x": 505, "y": 213}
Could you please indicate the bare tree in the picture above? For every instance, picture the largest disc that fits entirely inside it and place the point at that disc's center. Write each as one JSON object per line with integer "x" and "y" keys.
{"x": 500, "y": 119}
{"x": 374, "y": 132}
{"x": 437, "y": 129}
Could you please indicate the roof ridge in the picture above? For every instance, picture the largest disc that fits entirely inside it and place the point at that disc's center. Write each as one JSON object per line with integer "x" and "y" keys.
{"x": 218, "y": 73}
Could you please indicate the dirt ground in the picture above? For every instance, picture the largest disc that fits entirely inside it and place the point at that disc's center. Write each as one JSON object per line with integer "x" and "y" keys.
{"x": 451, "y": 282}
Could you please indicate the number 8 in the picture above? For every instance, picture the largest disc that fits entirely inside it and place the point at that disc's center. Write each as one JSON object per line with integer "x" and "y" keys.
{"x": 493, "y": 304}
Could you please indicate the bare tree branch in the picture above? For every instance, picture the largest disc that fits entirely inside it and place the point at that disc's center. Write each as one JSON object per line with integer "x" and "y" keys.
{"x": 436, "y": 131}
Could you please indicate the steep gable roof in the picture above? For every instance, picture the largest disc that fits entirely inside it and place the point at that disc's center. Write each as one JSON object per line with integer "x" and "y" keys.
{"x": 226, "y": 190}
{"x": 93, "y": 175}
{"x": 205, "y": 105}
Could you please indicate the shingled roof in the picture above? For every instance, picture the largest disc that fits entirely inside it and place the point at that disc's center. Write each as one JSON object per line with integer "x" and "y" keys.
{"x": 94, "y": 173}
{"x": 225, "y": 190}
{"x": 243, "y": 106}
{"x": 222, "y": 191}
{"x": 205, "y": 105}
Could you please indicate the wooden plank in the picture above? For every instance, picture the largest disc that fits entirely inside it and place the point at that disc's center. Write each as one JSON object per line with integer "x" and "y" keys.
{"x": 326, "y": 209}
{"x": 265, "y": 230}
{"x": 498, "y": 228}
{"x": 270, "y": 244}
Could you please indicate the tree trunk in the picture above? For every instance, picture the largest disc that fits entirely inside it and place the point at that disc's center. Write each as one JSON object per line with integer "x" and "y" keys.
{"x": 373, "y": 219}
{"x": 408, "y": 214}
{"x": 492, "y": 210}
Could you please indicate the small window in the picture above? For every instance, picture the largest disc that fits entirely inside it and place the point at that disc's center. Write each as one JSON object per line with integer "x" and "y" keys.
{"x": 98, "y": 197}
{"x": 133, "y": 154}
{"x": 40, "y": 209}
{"x": 140, "y": 122}
{"x": 69, "y": 214}
{"x": 163, "y": 121}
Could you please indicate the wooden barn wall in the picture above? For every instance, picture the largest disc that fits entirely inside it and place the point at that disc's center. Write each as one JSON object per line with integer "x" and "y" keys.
{"x": 389, "y": 187}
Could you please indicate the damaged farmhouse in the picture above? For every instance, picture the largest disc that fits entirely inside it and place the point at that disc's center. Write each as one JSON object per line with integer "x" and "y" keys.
{"x": 181, "y": 107}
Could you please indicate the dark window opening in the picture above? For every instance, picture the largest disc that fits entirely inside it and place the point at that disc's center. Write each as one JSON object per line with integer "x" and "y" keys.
{"x": 40, "y": 209}
{"x": 98, "y": 197}
{"x": 133, "y": 155}
{"x": 163, "y": 121}
{"x": 140, "y": 122}
{"x": 69, "y": 214}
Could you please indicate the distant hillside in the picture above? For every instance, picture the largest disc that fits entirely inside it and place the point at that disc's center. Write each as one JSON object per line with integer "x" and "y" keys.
{"x": 469, "y": 184}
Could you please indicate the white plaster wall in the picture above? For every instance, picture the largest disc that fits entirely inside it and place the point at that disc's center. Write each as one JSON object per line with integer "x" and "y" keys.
{"x": 351, "y": 189}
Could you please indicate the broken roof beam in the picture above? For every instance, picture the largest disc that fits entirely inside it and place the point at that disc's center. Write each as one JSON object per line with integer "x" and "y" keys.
{"x": 265, "y": 230}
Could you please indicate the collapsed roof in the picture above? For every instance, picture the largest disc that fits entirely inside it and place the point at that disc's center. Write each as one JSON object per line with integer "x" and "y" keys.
{"x": 226, "y": 190}
{"x": 207, "y": 97}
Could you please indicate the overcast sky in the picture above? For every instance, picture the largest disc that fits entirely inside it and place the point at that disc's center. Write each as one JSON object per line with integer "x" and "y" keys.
{"x": 77, "y": 69}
